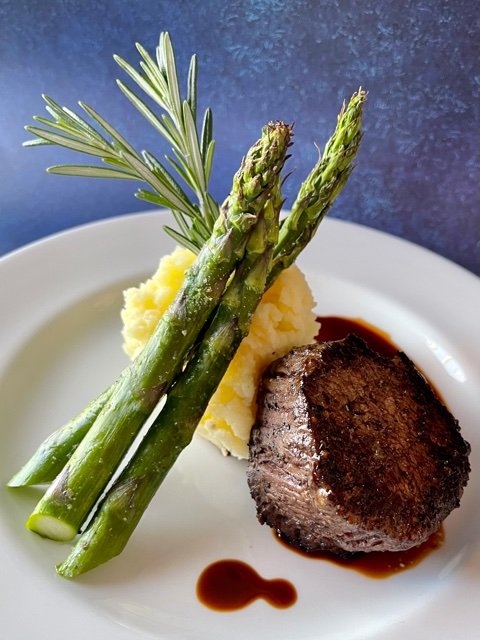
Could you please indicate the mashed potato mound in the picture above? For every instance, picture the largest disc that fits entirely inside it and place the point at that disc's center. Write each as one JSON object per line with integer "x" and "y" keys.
{"x": 284, "y": 319}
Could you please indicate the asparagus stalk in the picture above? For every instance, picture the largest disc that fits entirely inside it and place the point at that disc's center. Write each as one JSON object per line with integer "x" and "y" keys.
{"x": 322, "y": 186}
{"x": 56, "y": 450}
{"x": 186, "y": 402}
{"x": 70, "y": 498}
{"x": 315, "y": 197}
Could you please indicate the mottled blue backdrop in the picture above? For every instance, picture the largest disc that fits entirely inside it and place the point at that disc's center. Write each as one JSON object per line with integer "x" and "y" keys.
{"x": 418, "y": 170}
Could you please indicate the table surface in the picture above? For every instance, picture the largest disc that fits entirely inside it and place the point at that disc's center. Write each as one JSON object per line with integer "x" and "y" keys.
{"x": 418, "y": 167}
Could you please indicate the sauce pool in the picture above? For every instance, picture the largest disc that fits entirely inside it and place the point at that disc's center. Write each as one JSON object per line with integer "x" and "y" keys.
{"x": 337, "y": 328}
{"x": 377, "y": 564}
{"x": 229, "y": 585}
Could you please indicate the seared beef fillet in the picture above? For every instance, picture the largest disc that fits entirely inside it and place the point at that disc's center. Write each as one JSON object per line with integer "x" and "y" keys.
{"x": 353, "y": 451}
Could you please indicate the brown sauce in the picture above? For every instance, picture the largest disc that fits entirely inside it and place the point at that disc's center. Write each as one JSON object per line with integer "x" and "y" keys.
{"x": 377, "y": 564}
{"x": 229, "y": 585}
{"x": 337, "y": 328}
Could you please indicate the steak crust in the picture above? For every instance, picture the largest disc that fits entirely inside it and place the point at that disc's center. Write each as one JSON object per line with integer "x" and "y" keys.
{"x": 352, "y": 451}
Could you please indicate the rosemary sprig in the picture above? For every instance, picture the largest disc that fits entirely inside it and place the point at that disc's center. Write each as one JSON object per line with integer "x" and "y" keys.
{"x": 192, "y": 153}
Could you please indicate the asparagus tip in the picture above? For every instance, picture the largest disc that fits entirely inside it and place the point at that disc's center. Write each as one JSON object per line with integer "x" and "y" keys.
{"x": 65, "y": 570}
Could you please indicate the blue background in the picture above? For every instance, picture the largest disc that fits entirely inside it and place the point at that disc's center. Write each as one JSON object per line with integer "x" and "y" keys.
{"x": 418, "y": 169}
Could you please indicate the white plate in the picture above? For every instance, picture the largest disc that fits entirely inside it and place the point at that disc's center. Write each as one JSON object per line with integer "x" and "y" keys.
{"x": 60, "y": 344}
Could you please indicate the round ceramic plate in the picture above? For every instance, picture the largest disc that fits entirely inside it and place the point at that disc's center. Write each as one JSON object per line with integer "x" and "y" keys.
{"x": 60, "y": 345}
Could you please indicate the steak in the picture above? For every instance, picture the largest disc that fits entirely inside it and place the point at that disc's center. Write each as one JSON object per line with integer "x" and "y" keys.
{"x": 353, "y": 451}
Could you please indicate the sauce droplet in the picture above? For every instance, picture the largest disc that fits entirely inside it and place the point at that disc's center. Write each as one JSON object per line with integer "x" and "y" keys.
{"x": 229, "y": 585}
{"x": 377, "y": 564}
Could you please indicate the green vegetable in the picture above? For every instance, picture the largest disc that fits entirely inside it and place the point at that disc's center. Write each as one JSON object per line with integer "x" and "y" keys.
{"x": 69, "y": 500}
{"x": 54, "y": 452}
{"x": 322, "y": 186}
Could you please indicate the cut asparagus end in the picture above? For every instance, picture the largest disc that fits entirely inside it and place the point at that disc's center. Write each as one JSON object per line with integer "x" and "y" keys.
{"x": 50, "y": 527}
{"x": 65, "y": 570}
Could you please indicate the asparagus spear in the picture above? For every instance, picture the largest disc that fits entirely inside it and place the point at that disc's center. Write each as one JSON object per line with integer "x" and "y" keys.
{"x": 55, "y": 451}
{"x": 186, "y": 402}
{"x": 322, "y": 186}
{"x": 312, "y": 203}
{"x": 68, "y": 501}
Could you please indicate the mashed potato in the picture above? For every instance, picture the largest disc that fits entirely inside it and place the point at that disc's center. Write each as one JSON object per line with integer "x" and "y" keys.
{"x": 283, "y": 319}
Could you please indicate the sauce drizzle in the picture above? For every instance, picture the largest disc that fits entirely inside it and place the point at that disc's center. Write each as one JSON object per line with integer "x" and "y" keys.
{"x": 377, "y": 564}
{"x": 229, "y": 585}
